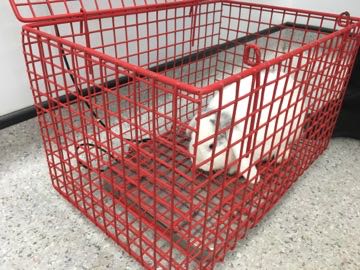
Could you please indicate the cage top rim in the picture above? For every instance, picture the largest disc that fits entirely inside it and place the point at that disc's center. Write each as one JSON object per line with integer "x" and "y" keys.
{"x": 277, "y": 60}
{"x": 137, "y": 70}
{"x": 185, "y": 86}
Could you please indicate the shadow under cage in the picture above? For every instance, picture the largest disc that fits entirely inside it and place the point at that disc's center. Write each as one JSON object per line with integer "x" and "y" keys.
{"x": 176, "y": 126}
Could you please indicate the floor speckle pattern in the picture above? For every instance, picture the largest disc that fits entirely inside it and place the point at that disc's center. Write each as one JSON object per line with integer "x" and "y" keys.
{"x": 314, "y": 226}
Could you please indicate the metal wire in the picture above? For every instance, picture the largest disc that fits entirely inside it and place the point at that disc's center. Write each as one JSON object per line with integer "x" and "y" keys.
{"x": 94, "y": 114}
{"x": 166, "y": 205}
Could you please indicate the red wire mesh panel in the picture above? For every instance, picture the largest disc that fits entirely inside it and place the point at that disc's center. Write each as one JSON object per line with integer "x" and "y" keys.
{"x": 42, "y": 10}
{"x": 175, "y": 128}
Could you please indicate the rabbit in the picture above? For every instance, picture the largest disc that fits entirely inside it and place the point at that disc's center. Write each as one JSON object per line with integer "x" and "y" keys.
{"x": 274, "y": 127}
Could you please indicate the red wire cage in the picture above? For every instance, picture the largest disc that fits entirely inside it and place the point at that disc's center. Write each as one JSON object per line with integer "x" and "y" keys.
{"x": 176, "y": 126}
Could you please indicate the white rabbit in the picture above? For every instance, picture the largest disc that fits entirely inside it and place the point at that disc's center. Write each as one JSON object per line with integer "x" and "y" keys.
{"x": 281, "y": 117}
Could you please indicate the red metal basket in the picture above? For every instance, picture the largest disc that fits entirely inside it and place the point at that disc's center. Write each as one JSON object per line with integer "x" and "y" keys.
{"x": 176, "y": 126}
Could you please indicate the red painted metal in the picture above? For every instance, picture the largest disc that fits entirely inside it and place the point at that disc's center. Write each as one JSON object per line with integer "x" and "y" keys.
{"x": 344, "y": 19}
{"x": 122, "y": 91}
{"x": 257, "y": 55}
{"x": 45, "y": 10}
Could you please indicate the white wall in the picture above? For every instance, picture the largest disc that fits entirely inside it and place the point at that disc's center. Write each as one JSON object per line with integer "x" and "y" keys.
{"x": 332, "y": 6}
{"x": 14, "y": 90}
{"x": 14, "y": 87}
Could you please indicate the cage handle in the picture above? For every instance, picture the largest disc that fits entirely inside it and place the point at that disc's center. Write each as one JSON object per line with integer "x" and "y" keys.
{"x": 256, "y": 84}
{"x": 247, "y": 60}
{"x": 344, "y": 19}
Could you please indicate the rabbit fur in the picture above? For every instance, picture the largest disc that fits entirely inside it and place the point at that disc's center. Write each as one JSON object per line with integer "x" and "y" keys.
{"x": 284, "y": 104}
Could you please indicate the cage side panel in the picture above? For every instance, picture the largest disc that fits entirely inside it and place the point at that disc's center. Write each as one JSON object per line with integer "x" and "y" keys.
{"x": 268, "y": 128}
{"x": 117, "y": 153}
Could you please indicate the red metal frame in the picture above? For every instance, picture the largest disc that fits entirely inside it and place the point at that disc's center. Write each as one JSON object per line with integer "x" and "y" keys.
{"x": 45, "y": 10}
{"x": 122, "y": 92}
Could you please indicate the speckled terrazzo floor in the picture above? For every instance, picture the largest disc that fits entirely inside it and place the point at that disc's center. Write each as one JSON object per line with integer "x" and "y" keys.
{"x": 315, "y": 226}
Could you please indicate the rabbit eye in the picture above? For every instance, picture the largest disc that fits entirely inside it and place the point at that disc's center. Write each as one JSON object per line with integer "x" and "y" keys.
{"x": 211, "y": 146}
